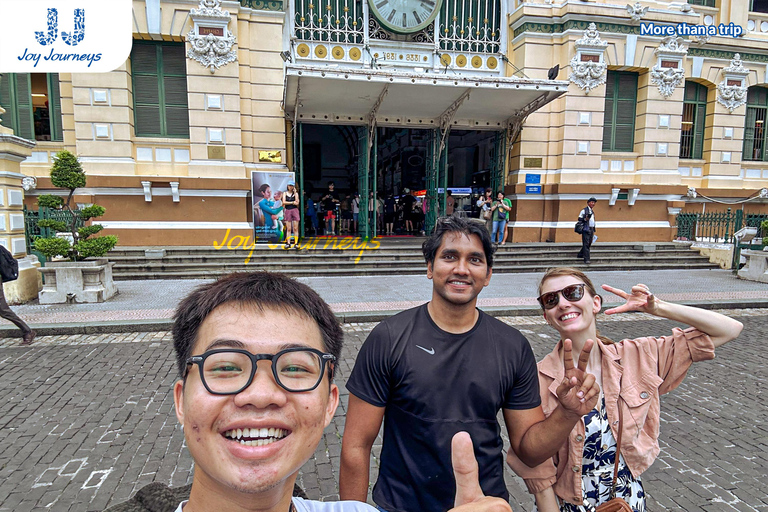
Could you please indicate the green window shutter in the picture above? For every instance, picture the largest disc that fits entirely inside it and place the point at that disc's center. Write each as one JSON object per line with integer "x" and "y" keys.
{"x": 6, "y": 100}
{"x": 698, "y": 134}
{"x": 620, "y": 103}
{"x": 749, "y": 135}
{"x": 26, "y": 125}
{"x": 54, "y": 104}
{"x": 608, "y": 124}
{"x": 626, "y": 102}
{"x": 695, "y": 113}
{"x": 160, "y": 89}
{"x": 146, "y": 90}
{"x": 175, "y": 90}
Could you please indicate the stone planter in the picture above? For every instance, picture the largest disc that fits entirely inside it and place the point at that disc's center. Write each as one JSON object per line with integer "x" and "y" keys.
{"x": 756, "y": 268}
{"x": 77, "y": 281}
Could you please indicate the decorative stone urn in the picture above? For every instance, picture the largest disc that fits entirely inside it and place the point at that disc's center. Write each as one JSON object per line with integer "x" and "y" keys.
{"x": 756, "y": 268}
{"x": 77, "y": 281}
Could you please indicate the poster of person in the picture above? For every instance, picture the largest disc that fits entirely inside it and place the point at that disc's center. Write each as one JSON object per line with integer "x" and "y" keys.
{"x": 267, "y": 189}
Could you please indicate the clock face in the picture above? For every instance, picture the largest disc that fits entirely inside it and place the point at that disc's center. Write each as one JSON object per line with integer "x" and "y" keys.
{"x": 405, "y": 16}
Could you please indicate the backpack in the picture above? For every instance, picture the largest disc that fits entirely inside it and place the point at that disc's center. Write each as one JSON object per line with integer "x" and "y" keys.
{"x": 9, "y": 267}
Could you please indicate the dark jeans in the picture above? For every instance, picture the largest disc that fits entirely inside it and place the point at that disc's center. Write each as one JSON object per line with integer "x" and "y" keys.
{"x": 586, "y": 243}
{"x": 7, "y": 313}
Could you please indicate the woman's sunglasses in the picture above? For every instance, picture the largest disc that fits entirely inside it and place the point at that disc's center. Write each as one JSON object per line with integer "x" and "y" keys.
{"x": 572, "y": 293}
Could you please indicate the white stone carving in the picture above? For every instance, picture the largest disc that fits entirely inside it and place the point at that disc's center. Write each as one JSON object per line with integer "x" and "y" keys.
{"x": 28, "y": 183}
{"x": 591, "y": 38}
{"x": 737, "y": 66}
{"x": 210, "y": 50}
{"x": 733, "y": 96}
{"x": 637, "y": 11}
{"x": 668, "y": 78}
{"x": 589, "y": 74}
{"x": 702, "y": 39}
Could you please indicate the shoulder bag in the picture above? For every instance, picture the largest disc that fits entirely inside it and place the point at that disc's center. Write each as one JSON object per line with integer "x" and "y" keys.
{"x": 615, "y": 504}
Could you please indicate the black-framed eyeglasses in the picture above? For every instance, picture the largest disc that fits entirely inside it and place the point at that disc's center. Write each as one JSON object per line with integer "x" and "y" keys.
{"x": 228, "y": 371}
{"x": 572, "y": 293}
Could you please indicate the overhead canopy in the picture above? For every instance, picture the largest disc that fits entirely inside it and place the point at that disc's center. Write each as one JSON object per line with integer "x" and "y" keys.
{"x": 350, "y": 96}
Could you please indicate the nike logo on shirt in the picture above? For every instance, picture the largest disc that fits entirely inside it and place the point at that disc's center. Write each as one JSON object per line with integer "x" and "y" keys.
{"x": 430, "y": 351}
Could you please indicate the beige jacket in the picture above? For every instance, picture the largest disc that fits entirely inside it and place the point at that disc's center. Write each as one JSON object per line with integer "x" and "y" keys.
{"x": 638, "y": 371}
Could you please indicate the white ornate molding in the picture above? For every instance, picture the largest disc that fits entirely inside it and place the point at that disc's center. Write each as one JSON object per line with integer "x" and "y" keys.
{"x": 588, "y": 66}
{"x": 637, "y": 11}
{"x": 732, "y": 90}
{"x": 668, "y": 72}
{"x": 210, "y": 38}
{"x": 28, "y": 183}
{"x": 737, "y": 66}
{"x": 591, "y": 39}
{"x": 666, "y": 79}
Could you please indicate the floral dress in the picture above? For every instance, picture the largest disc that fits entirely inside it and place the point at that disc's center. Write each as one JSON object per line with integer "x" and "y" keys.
{"x": 597, "y": 467}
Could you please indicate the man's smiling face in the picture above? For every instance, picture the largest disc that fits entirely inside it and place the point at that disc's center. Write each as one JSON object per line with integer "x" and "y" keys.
{"x": 212, "y": 423}
{"x": 460, "y": 270}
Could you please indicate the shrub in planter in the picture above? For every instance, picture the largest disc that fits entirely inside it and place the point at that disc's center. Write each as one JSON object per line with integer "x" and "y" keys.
{"x": 764, "y": 231}
{"x": 67, "y": 173}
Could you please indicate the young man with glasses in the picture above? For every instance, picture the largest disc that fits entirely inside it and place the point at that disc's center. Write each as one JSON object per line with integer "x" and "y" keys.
{"x": 443, "y": 367}
{"x": 254, "y": 397}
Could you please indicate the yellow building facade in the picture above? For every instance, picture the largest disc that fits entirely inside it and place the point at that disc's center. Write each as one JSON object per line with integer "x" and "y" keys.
{"x": 215, "y": 90}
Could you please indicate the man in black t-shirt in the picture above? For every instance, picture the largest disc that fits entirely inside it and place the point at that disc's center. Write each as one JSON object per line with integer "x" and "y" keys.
{"x": 330, "y": 200}
{"x": 444, "y": 367}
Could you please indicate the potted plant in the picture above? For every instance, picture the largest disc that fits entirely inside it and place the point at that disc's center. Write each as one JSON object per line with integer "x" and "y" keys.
{"x": 80, "y": 274}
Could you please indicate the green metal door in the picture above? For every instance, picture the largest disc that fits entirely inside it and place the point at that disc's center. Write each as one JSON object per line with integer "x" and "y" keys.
{"x": 363, "y": 180}
{"x": 298, "y": 169}
{"x": 437, "y": 177}
{"x": 499, "y": 159}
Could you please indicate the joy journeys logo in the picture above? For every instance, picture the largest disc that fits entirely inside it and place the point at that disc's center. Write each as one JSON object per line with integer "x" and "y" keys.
{"x": 64, "y": 44}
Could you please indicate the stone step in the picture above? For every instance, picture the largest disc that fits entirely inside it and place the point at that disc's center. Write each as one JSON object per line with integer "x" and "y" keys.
{"x": 208, "y": 273}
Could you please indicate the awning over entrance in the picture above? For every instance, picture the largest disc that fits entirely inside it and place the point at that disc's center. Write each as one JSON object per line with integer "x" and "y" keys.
{"x": 348, "y": 96}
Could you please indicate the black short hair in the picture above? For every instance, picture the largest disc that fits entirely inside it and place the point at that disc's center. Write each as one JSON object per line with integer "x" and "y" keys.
{"x": 265, "y": 290}
{"x": 331, "y": 183}
{"x": 457, "y": 225}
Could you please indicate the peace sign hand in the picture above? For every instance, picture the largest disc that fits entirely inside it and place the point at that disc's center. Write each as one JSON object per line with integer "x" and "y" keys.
{"x": 641, "y": 299}
{"x": 578, "y": 392}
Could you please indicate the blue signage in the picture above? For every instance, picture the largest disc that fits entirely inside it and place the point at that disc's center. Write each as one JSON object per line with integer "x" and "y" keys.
{"x": 535, "y": 189}
{"x": 533, "y": 178}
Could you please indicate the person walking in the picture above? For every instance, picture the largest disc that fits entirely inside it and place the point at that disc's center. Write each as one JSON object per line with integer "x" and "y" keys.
{"x": 632, "y": 375}
{"x": 9, "y": 269}
{"x": 500, "y": 210}
{"x": 330, "y": 200}
{"x": 587, "y": 219}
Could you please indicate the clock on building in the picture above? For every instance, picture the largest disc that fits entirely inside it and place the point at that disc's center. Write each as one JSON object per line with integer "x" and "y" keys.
{"x": 405, "y": 16}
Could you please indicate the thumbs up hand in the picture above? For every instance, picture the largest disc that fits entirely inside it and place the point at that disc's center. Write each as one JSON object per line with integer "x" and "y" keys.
{"x": 469, "y": 495}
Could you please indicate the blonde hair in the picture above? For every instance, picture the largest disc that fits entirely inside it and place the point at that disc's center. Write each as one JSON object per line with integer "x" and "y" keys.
{"x": 581, "y": 276}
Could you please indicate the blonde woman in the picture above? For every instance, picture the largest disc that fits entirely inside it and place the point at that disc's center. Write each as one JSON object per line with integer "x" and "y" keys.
{"x": 632, "y": 374}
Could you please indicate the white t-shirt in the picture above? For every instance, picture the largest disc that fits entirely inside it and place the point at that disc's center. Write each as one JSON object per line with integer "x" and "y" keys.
{"x": 303, "y": 505}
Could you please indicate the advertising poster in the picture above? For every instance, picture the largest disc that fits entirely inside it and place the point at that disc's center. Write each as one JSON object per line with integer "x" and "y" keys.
{"x": 267, "y": 189}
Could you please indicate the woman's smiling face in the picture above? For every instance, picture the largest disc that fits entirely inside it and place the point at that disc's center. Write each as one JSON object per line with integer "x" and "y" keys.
{"x": 570, "y": 318}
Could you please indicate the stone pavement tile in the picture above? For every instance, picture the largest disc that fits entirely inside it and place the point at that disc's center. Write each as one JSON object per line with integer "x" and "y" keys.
{"x": 97, "y": 413}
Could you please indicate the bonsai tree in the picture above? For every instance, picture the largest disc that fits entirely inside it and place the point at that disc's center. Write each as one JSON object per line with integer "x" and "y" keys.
{"x": 67, "y": 173}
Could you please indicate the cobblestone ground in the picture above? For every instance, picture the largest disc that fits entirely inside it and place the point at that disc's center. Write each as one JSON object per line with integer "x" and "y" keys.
{"x": 87, "y": 420}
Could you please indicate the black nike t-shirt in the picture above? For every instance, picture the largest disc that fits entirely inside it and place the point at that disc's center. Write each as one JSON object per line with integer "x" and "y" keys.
{"x": 434, "y": 384}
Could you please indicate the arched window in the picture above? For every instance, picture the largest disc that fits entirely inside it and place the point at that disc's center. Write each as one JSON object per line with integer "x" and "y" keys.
{"x": 694, "y": 114}
{"x": 754, "y": 126}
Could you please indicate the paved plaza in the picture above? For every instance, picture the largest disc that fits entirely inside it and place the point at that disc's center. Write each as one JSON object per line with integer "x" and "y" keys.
{"x": 149, "y": 305}
{"x": 88, "y": 419}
